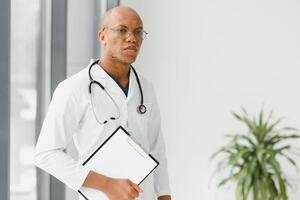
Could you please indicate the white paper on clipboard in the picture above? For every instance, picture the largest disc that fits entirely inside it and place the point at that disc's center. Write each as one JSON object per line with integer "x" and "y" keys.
{"x": 118, "y": 157}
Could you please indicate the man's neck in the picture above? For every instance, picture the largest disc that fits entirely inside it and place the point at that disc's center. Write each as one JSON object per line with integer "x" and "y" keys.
{"x": 118, "y": 70}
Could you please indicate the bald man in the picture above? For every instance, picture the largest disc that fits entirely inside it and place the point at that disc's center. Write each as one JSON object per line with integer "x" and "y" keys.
{"x": 70, "y": 116}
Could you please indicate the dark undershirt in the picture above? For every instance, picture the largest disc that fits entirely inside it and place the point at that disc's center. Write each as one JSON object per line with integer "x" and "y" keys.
{"x": 124, "y": 89}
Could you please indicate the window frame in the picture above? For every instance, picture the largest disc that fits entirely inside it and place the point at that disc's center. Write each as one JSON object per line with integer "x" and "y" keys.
{"x": 5, "y": 99}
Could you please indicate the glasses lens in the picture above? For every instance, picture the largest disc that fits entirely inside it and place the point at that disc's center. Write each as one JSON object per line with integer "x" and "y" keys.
{"x": 123, "y": 32}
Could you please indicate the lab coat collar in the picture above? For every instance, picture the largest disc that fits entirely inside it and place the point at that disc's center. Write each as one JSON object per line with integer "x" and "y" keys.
{"x": 100, "y": 75}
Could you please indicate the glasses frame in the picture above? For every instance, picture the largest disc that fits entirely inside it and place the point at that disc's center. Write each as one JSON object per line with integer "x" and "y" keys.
{"x": 128, "y": 32}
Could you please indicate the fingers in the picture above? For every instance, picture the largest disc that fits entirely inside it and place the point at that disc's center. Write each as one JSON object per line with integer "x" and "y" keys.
{"x": 136, "y": 187}
{"x": 133, "y": 190}
{"x": 133, "y": 193}
{"x": 123, "y": 189}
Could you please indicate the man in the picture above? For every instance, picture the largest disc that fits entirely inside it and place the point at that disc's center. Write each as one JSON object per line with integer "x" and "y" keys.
{"x": 71, "y": 115}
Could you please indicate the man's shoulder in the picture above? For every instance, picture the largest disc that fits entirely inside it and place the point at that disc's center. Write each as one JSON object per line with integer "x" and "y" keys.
{"x": 74, "y": 84}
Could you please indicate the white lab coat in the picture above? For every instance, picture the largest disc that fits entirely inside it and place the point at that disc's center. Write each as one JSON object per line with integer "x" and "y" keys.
{"x": 70, "y": 116}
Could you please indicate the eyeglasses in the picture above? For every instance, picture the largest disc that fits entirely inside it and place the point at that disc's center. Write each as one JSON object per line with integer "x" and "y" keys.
{"x": 122, "y": 32}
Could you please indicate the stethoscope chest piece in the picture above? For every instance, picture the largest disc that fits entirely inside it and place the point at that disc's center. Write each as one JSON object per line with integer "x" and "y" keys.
{"x": 141, "y": 109}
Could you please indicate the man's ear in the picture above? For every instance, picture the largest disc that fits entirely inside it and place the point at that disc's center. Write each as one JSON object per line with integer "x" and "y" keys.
{"x": 101, "y": 37}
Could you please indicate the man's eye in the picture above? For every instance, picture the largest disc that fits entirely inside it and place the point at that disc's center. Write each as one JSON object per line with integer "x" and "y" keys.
{"x": 122, "y": 30}
{"x": 138, "y": 32}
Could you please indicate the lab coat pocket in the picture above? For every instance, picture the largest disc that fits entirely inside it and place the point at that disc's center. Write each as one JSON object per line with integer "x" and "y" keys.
{"x": 140, "y": 128}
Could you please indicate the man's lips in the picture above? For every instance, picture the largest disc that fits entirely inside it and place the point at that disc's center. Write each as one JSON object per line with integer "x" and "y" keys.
{"x": 132, "y": 48}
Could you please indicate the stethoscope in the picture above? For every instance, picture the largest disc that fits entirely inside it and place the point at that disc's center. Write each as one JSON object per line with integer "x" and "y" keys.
{"x": 141, "y": 109}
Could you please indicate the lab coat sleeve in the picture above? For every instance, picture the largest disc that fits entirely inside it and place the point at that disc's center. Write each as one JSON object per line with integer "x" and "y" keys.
{"x": 158, "y": 150}
{"x": 58, "y": 128}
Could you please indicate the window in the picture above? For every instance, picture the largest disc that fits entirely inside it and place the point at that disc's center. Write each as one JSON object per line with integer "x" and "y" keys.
{"x": 25, "y": 25}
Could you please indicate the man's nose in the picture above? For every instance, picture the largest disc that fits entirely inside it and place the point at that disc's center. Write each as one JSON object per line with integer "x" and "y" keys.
{"x": 131, "y": 37}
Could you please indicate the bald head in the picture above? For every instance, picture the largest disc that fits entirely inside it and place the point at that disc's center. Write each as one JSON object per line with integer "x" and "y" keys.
{"x": 113, "y": 15}
{"x": 121, "y": 34}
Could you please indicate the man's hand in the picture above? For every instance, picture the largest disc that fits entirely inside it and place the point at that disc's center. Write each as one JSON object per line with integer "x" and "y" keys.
{"x": 115, "y": 189}
{"x": 166, "y": 197}
{"x": 121, "y": 189}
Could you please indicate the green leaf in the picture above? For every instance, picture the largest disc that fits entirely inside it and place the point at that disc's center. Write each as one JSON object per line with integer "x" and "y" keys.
{"x": 245, "y": 111}
{"x": 272, "y": 188}
{"x": 279, "y": 150}
{"x": 242, "y": 137}
{"x": 291, "y": 161}
{"x": 261, "y": 118}
{"x": 224, "y": 181}
{"x": 237, "y": 116}
{"x": 272, "y": 126}
{"x": 251, "y": 158}
{"x": 281, "y": 181}
{"x": 279, "y": 138}
{"x": 289, "y": 129}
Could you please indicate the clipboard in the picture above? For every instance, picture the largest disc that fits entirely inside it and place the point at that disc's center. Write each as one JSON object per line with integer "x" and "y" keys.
{"x": 119, "y": 156}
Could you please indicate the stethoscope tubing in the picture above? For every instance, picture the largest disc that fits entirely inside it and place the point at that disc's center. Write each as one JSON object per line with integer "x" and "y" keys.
{"x": 141, "y": 109}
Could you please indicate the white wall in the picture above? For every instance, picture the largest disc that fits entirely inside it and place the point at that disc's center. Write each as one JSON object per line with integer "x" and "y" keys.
{"x": 208, "y": 58}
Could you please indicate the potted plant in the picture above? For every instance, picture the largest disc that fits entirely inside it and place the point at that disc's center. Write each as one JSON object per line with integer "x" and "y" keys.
{"x": 252, "y": 158}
